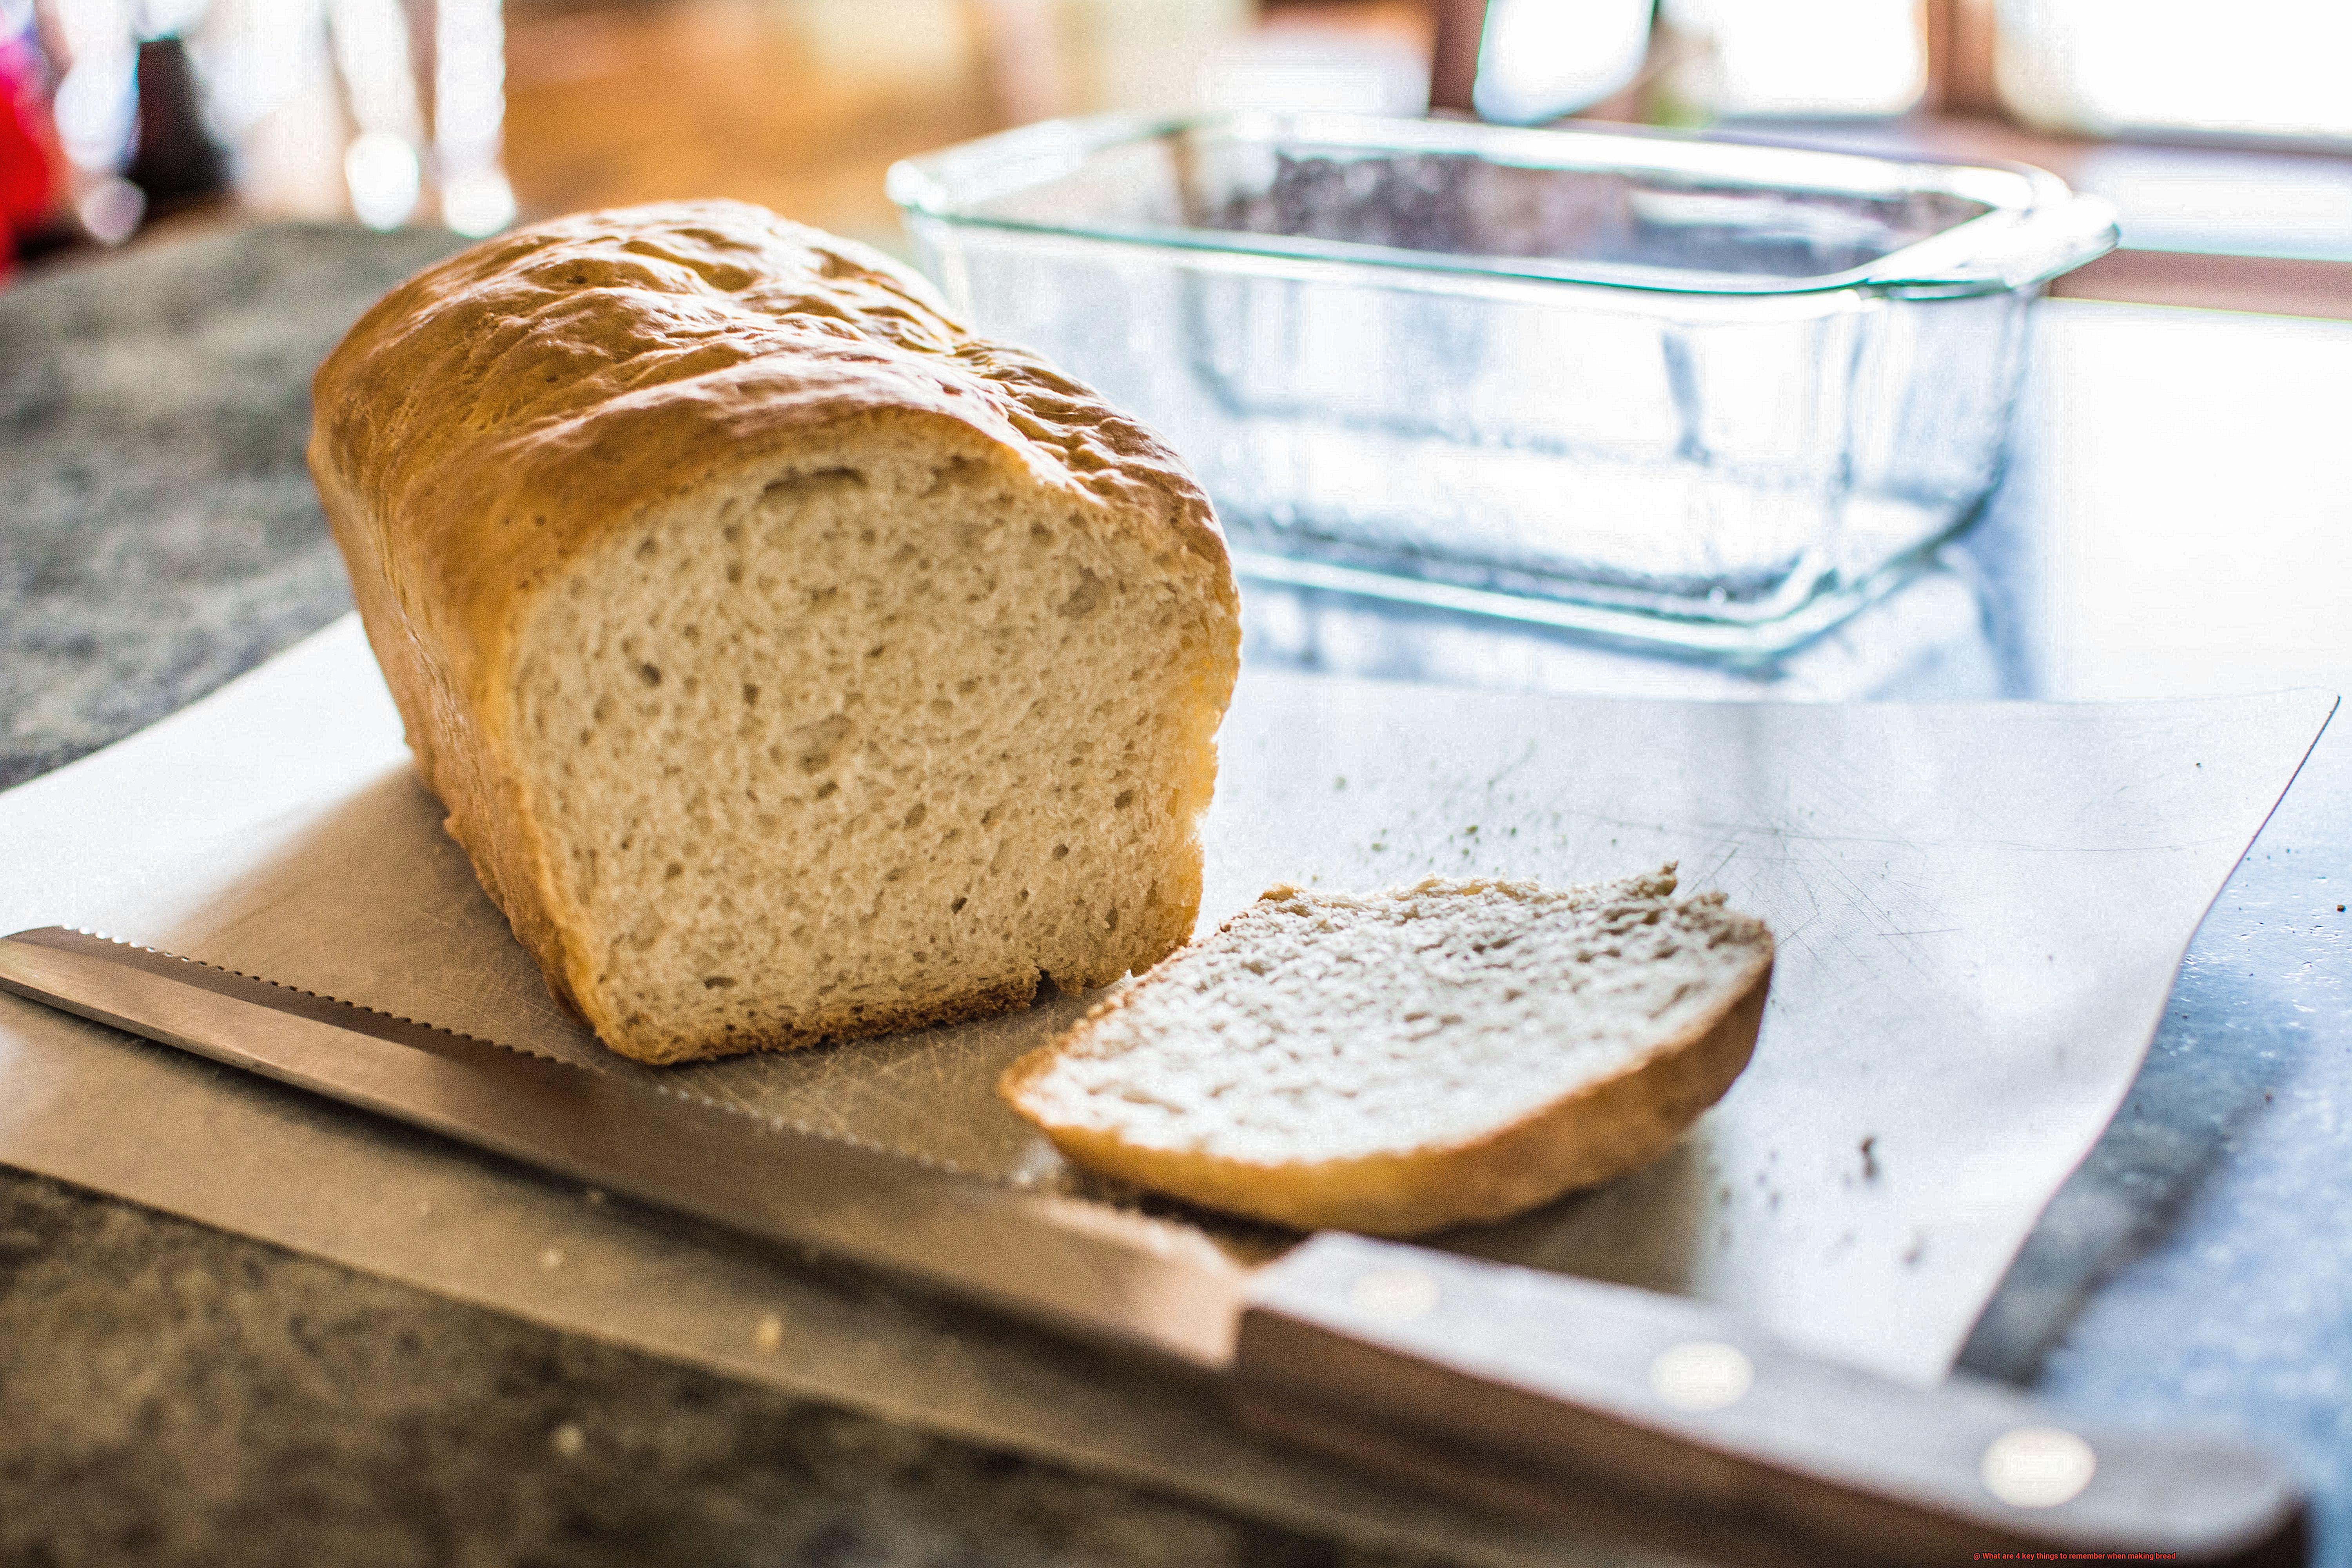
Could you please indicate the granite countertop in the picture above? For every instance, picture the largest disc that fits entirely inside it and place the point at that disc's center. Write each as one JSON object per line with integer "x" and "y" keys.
{"x": 170, "y": 1394}
{"x": 2176, "y": 525}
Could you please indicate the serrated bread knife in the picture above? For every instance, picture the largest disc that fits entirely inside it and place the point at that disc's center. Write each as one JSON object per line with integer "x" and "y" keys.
{"x": 1574, "y": 1400}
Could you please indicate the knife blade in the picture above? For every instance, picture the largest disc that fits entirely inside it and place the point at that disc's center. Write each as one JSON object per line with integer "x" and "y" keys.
{"x": 1534, "y": 1390}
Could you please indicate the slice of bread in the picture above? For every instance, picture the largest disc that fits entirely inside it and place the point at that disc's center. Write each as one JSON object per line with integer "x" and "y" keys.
{"x": 793, "y": 663}
{"x": 1397, "y": 1062}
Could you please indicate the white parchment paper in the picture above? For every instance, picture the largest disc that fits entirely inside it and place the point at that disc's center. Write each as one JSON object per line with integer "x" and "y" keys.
{"x": 1981, "y": 909}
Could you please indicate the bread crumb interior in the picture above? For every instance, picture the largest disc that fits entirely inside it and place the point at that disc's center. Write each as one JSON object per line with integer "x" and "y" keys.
{"x": 1319, "y": 1027}
{"x": 872, "y": 740}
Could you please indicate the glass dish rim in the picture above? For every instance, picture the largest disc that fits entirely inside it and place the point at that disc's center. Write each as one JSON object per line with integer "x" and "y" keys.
{"x": 2010, "y": 246}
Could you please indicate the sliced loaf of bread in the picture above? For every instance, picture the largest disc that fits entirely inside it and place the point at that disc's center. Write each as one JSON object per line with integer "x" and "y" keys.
{"x": 1397, "y": 1062}
{"x": 794, "y": 662}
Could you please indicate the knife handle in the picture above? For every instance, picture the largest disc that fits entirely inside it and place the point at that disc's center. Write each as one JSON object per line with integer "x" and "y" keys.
{"x": 1510, "y": 1382}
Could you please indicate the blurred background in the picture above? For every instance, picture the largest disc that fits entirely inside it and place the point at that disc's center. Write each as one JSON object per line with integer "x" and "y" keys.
{"x": 2224, "y": 133}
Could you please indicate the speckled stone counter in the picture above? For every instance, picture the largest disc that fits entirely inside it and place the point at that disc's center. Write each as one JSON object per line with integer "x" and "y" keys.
{"x": 172, "y": 1394}
{"x": 2176, "y": 524}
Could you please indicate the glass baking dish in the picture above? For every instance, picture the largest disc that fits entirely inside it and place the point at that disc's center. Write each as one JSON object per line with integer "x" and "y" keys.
{"x": 1703, "y": 394}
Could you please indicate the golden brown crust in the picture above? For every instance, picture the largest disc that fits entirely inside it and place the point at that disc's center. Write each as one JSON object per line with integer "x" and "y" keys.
{"x": 1606, "y": 1128}
{"x": 502, "y": 412}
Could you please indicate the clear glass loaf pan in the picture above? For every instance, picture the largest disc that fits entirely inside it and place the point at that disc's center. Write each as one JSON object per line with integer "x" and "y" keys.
{"x": 1703, "y": 394}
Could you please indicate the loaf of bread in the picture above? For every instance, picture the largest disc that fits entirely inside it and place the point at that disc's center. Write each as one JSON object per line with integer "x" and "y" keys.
{"x": 1451, "y": 1052}
{"x": 792, "y": 663}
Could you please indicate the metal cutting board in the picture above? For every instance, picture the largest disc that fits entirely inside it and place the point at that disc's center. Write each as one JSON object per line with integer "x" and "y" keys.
{"x": 1981, "y": 909}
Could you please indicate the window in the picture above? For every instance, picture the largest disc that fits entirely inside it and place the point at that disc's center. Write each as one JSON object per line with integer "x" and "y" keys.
{"x": 1793, "y": 57}
{"x": 2275, "y": 68}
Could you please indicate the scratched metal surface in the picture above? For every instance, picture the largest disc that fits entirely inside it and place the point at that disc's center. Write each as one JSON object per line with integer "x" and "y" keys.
{"x": 1980, "y": 908}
